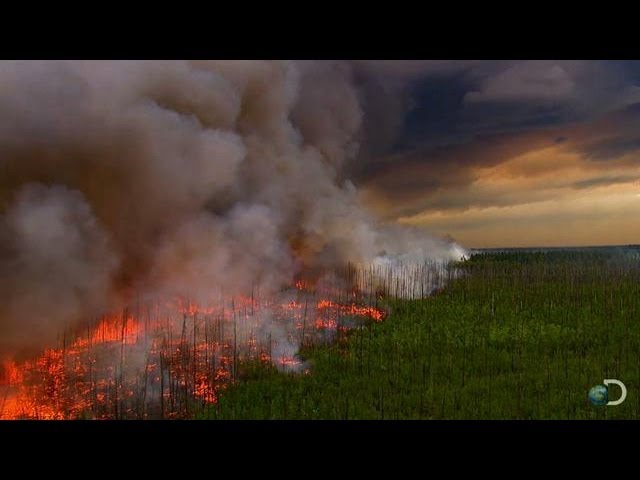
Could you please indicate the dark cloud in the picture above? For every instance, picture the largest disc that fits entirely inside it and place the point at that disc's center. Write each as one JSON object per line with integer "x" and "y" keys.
{"x": 424, "y": 178}
{"x": 605, "y": 180}
{"x": 613, "y": 147}
{"x": 483, "y": 98}
{"x": 461, "y": 118}
{"x": 469, "y": 98}
{"x": 611, "y": 138}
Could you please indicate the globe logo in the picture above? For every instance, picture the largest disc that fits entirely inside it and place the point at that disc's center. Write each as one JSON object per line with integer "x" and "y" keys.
{"x": 599, "y": 395}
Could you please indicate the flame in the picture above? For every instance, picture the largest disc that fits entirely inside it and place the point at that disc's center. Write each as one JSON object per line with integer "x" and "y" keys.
{"x": 189, "y": 355}
{"x": 111, "y": 329}
{"x": 353, "y": 309}
{"x": 289, "y": 360}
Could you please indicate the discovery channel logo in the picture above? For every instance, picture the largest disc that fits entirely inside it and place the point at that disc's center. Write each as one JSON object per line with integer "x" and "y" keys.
{"x": 599, "y": 395}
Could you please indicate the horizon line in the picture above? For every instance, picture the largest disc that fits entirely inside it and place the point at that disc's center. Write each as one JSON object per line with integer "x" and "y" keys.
{"x": 556, "y": 246}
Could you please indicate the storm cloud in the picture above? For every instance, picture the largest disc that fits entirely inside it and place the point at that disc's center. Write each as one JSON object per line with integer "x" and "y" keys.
{"x": 498, "y": 134}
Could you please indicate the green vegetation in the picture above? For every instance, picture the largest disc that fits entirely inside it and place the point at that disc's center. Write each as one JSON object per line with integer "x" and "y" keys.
{"x": 515, "y": 336}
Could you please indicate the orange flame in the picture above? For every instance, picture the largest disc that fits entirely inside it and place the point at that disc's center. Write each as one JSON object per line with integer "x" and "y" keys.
{"x": 188, "y": 359}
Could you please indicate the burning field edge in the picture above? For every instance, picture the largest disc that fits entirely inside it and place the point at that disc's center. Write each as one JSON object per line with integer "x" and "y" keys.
{"x": 513, "y": 335}
{"x": 173, "y": 359}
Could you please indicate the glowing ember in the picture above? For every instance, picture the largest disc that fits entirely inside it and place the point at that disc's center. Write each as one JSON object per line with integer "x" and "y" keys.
{"x": 289, "y": 361}
{"x": 174, "y": 362}
{"x": 353, "y": 309}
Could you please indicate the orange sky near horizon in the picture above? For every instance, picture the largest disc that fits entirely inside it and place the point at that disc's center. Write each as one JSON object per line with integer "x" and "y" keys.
{"x": 550, "y": 196}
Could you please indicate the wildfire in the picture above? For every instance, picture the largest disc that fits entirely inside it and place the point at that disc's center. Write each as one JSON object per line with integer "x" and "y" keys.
{"x": 12, "y": 374}
{"x": 353, "y": 309}
{"x": 111, "y": 329}
{"x": 166, "y": 367}
{"x": 289, "y": 361}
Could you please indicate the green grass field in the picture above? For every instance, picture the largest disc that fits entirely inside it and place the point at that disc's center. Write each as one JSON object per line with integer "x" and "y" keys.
{"x": 516, "y": 336}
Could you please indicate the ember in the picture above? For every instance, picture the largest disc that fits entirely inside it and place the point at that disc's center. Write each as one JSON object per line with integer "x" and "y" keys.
{"x": 176, "y": 361}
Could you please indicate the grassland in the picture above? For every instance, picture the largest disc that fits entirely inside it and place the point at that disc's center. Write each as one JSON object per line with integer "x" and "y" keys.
{"x": 516, "y": 336}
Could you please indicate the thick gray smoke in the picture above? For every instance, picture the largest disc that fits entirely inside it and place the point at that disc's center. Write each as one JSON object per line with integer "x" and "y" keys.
{"x": 176, "y": 177}
{"x": 58, "y": 262}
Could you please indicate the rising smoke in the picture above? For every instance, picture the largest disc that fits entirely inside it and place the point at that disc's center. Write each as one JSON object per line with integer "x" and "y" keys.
{"x": 180, "y": 178}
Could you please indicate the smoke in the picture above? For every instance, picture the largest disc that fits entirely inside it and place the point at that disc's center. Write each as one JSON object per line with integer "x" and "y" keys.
{"x": 56, "y": 263}
{"x": 180, "y": 178}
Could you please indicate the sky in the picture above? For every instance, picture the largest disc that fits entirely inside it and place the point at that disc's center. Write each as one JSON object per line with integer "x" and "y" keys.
{"x": 504, "y": 153}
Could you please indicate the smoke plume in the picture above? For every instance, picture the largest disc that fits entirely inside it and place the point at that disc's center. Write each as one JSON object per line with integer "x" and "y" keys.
{"x": 180, "y": 178}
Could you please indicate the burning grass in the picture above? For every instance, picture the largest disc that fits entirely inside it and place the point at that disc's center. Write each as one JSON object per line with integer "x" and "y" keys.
{"x": 172, "y": 360}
